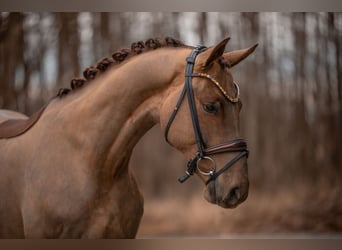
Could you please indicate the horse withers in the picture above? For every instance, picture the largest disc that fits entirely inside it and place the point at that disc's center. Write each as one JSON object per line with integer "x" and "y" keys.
{"x": 66, "y": 174}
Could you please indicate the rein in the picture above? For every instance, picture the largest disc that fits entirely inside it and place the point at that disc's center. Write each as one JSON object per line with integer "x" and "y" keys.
{"x": 203, "y": 153}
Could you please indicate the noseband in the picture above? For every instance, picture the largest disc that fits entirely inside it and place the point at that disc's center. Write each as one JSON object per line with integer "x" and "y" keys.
{"x": 203, "y": 153}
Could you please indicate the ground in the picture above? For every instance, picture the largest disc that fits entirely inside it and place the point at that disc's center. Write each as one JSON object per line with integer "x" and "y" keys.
{"x": 289, "y": 211}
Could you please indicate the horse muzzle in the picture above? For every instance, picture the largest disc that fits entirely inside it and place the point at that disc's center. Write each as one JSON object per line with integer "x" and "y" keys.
{"x": 227, "y": 193}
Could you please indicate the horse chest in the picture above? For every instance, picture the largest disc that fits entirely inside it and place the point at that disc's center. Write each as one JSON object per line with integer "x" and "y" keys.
{"x": 118, "y": 212}
{"x": 115, "y": 217}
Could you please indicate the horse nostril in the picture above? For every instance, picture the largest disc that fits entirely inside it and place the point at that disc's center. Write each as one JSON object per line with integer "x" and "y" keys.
{"x": 236, "y": 192}
{"x": 233, "y": 196}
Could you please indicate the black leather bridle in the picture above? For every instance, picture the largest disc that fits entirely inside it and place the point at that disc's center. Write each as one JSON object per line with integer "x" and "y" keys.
{"x": 203, "y": 153}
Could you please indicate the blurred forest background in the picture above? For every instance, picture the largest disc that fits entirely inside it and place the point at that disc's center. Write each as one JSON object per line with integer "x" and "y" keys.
{"x": 292, "y": 116}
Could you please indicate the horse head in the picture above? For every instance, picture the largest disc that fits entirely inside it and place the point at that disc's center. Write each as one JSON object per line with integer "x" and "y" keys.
{"x": 200, "y": 117}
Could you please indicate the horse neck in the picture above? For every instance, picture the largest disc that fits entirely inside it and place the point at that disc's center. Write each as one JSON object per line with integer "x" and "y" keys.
{"x": 117, "y": 109}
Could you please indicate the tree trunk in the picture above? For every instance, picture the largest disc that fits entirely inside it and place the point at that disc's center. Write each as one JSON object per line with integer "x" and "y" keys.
{"x": 68, "y": 44}
{"x": 12, "y": 56}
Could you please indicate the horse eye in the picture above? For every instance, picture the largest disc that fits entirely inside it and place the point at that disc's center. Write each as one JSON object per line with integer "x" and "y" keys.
{"x": 210, "y": 108}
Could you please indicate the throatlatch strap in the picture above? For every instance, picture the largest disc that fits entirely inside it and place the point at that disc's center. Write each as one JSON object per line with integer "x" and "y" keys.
{"x": 187, "y": 86}
{"x": 174, "y": 113}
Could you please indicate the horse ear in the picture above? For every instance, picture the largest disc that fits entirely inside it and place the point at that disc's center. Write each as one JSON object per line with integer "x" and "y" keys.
{"x": 213, "y": 53}
{"x": 234, "y": 57}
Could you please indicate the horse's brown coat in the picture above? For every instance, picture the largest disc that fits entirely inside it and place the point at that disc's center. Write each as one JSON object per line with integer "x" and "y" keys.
{"x": 68, "y": 176}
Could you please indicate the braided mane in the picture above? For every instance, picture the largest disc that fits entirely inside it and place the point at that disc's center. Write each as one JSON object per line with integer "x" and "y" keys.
{"x": 118, "y": 57}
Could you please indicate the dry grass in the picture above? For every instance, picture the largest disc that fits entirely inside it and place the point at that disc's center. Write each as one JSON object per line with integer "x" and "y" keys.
{"x": 297, "y": 210}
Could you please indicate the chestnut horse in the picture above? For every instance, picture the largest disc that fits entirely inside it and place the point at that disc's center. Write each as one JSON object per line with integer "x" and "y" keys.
{"x": 66, "y": 174}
